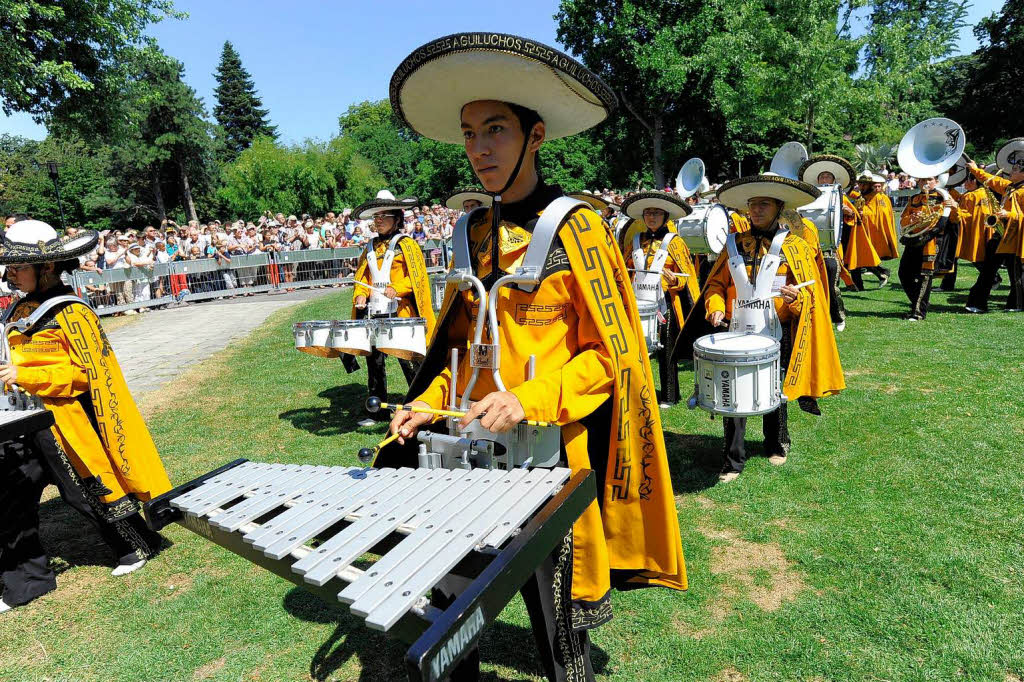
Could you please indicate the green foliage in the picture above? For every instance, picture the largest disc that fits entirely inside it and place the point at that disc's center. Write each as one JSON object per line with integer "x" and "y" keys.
{"x": 55, "y": 56}
{"x": 574, "y": 163}
{"x": 239, "y": 110}
{"x": 873, "y": 156}
{"x": 313, "y": 178}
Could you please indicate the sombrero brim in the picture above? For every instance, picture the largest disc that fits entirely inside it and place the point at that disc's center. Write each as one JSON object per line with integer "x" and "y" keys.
{"x": 62, "y": 248}
{"x": 676, "y": 208}
{"x": 836, "y": 165}
{"x": 958, "y": 173}
{"x": 375, "y": 206}
{"x": 469, "y": 67}
{"x": 1009, "y": 152}
{"x": 870, "y": 178}
{"x": 460, "y": 196}
{"x": 792, "y": 193}
{"x": 598, "y": 203}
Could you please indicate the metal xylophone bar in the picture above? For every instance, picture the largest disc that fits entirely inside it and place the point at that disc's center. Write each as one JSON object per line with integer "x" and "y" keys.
{"x": 425, "y": 524}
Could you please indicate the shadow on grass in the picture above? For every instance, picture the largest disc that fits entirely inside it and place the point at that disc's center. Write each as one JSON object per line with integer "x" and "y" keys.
{"x": 341, "y": 416}
{"x": 694, "y": 461}
{"x": 383, "y": 658}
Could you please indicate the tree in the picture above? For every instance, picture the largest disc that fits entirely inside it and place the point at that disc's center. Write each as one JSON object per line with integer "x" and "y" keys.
{"x": 239, "y": 110}
{"x": 55, "y": 56}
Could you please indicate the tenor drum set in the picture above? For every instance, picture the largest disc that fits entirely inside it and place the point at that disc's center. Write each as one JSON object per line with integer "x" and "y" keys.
{"x": 402, "y": 337}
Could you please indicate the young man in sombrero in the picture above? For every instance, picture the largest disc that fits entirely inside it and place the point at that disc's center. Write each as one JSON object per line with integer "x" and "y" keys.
{"x": 810, "y": 359}
{"x": 390, "y": 281}
{"x": 99, "y": 452}
{"x": 654, "y": 245}
{"x": 504, "y": 96}
{"x": 1010, "y": 214}
{"x": 467, "y": 198}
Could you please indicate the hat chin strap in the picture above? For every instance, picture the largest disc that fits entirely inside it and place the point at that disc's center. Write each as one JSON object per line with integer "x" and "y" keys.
{"x": 496, "y": 214}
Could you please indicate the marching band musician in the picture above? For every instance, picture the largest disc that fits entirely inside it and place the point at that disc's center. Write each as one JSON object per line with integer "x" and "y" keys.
{"x": 677, "y": 285}
{"x": 975, "y": 233}
{"x": 879, "y": 221}
{"x": 467, "y": 198}
{"x": 505, "y": 96}
{"x": 99, "y": 452}
{"x": 401, "y": 289}
{"x": 1010, "y": 217}
{"x": 934, "y": 254}
{"x": 809, "y": 359}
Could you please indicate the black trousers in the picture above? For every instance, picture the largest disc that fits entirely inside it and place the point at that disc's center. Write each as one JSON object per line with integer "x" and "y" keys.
{"x": 978, "y": 296}
{"x": 837, "y": 309}
{"x": 24, "y": 567}
{"x": 564, "y": 652}
{"x": 917, "y": 283}
{"x": 377, "y": 378}
{"x": 948, "y": 282}
{"x": 668, "y": 371}
{"x": 857, "y": 275}
{"x": 775, "y": 424}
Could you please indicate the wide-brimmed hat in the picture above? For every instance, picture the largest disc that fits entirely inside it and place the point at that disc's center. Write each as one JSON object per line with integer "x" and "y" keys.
{"x": 597, "y": 202}
{"x": 455, "y": 200}
{"x": 385, "y": 201}
{"x": 1010, "y": 154}
{"x": 792, "y": 193}
{"x": 33, "y": 241}
{"x": 675, "y": 207}
{"x": 868, "y": 176}
{"x": 821, "y": 163}
{"x": 468, "y": 67}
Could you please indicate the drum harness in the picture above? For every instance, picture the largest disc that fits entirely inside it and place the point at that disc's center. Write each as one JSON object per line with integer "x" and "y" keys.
{"x": 380, "y": 276}
{"x": 647, "y": 283}
{"x": 753, "y": 309}
{"x": 524, "y": 446}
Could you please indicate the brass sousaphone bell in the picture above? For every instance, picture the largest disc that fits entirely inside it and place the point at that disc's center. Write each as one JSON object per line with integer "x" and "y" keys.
{"x": 691, "y": 178}
{"x": 928, "y": 150}
{"x": 788, "y": 159}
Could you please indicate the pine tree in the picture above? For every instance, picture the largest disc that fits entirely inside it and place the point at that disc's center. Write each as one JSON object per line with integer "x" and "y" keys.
{"x": 238, "y": 110}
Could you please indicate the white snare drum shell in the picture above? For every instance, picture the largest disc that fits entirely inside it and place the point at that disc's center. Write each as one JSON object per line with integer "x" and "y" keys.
{"x": 312, "y": 337}
{"x": 649, "y": 324}
{"x": 402, "y": 337}
{"x": 737, "y": 374}
{"x": 354, "y": 337}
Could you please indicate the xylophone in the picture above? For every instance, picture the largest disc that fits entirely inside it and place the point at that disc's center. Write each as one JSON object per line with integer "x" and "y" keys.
{"x": 309, "y": 524}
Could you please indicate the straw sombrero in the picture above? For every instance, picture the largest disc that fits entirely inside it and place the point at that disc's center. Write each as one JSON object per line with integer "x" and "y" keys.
{"x": 33, "y": 241}
{"x": 456, "y": 199}
{"x": 821, "y": 163}
{"x": 792, "y": 193}
{"x": 596, "y": 201}
{"x": 385, "y": 201}
{"x": 675, "y": 207}
{"x": 1010, "y": 154}
{"x": 468, "y": 67}
{"x": 868, "y": 176}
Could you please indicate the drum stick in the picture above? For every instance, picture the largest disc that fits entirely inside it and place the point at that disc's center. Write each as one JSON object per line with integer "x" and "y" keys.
{"x": 796, "y": 286}
{"x": 662, "y": 272}
{"x": 373, "y": 404}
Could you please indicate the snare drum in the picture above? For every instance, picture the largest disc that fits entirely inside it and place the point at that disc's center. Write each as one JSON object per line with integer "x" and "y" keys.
{"x": 705, "y": 230}
{"x": 354, "y": 337}
{"x": 737, "y": 374}
{"x": 826, "y": 212}
{"x": 403, "y": 337}
{"x": 649, "y": 323}
{"x": 312, "y": 337}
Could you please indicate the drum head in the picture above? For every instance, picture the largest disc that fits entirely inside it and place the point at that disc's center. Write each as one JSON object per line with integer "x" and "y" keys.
{"x": 736, "y": 343}
{"x": 716, "y": 227}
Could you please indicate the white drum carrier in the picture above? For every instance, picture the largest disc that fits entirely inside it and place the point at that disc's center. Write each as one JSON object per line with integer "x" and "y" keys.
{"x": 475, "y": 446}
{"x": 826, "y": 212}
{"x": 380, "y": 278}
{"x": 738, "y": 373}
{"x": 705, "y": 230}
{"x": 650, "y": 296}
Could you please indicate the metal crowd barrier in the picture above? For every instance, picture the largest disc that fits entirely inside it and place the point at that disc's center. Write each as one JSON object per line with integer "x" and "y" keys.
{"x": 124, "y": 289}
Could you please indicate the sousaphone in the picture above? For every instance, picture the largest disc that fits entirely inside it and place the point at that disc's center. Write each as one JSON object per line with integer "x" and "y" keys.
{"x": 788, "y": 159}
{"x": 691, "y": 178}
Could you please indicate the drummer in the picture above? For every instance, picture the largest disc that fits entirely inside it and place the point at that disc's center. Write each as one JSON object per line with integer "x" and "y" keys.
{"x": 99, "y": 452}
{"x": 658, "y": 247}
{"x": 809, "y": 357}
{"x": 920, "y": 263}
{"x": 403, "y": 291}
{"x": 467, "y": 199}
{"x": 504, "y": 96}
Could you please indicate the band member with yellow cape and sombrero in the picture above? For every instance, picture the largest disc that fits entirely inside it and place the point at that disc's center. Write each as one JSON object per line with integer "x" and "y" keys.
{"x": 406, "y": 285}
{"x": 810, "y": 358}
{"x": 879, "y": 221}
{"x": 1009, "y": 216}
{"x": 504, "y": 96}
{"x": 653, "y": 213}
{"x": 467, "y": 198}
{"x": 99, "y": 452}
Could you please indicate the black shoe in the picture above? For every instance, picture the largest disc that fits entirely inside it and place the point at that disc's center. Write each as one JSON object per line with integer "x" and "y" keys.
{"x": 809, "y": 405}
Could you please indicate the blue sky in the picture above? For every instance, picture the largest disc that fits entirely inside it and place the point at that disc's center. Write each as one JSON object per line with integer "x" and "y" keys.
{"x": 311, "y": 60}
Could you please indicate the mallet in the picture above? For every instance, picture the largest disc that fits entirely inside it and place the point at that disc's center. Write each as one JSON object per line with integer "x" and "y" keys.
{"x": 367, "y": 455}
{"x": 373, "y": 404}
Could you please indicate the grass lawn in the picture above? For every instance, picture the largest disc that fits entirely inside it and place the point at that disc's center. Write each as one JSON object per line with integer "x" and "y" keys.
{"x": 888, "y": 548}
